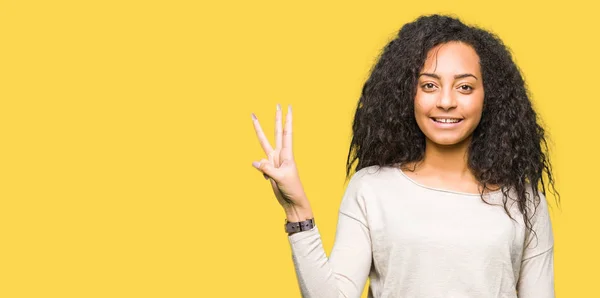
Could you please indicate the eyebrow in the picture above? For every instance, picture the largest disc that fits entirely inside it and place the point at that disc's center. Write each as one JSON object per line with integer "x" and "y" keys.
{"x": 458, "y": 76}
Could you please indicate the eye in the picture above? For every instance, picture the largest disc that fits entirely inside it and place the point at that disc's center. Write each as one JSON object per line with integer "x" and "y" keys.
{"x": 428, "y": 86}
{"x": 465, "y": 88}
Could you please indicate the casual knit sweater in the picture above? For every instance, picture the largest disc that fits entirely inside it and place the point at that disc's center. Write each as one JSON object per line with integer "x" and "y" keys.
{"x": 412, "y": 240}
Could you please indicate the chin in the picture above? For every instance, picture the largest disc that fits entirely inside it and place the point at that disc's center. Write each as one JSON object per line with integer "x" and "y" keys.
{"x": 448, "y": 141}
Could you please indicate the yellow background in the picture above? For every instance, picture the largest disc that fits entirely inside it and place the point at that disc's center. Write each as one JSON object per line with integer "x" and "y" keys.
{"x": 126, "y": 139}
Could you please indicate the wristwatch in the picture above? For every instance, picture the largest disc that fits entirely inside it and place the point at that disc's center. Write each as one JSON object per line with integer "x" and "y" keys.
{"x": 293, "y": 227}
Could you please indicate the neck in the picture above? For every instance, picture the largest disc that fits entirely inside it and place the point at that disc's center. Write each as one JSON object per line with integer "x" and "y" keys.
{"x": 446, "y": 167}
{"x": 449, "y": 161}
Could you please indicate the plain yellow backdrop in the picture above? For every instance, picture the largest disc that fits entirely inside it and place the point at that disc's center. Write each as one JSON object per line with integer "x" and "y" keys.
{"x": 126, "y": 138}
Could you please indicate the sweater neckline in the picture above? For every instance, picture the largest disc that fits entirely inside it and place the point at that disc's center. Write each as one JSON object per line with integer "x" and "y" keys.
{"x": 398, "y": 170}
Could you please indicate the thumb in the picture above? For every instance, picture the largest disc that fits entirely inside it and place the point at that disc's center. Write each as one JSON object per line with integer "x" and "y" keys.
{"x": 266, "y": 167}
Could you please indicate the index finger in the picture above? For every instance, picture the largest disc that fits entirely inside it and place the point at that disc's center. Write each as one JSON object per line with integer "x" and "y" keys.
{"x": 264, "y": 142}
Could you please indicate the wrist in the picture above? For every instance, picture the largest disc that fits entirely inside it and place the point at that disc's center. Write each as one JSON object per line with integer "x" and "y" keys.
{"x": 297, "y": 213}
{"x": 296, "y": 227}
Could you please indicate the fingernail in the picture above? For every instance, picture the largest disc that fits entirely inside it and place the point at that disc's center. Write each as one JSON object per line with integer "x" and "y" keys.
{"x": 289, "y": 108}
{"x": 253, "y": 116}
{"x": 278, "y": 107}
{"x": 255, "y": 164}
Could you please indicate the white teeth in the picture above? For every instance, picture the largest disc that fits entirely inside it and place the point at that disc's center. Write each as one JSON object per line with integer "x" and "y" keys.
{"x": 446, "y": 120}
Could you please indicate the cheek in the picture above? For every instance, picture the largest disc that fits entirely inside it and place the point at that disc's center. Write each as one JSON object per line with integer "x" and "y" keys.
{"x": 422, "y": 104}
{"x": 474, "y": 107}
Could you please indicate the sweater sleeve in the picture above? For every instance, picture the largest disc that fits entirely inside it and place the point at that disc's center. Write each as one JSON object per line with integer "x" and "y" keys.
{"x": 345, "y": 273}
{"x": 536, "y": 278}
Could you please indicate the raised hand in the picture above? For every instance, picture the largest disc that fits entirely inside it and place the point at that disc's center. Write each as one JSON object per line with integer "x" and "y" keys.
{"x": 280, "y": 168}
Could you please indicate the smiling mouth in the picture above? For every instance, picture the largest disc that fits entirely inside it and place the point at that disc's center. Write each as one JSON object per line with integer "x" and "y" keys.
{"x": 446, "y": 120}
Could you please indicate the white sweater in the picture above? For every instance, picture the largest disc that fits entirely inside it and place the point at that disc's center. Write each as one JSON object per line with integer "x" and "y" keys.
{"x": 416, "y": 241}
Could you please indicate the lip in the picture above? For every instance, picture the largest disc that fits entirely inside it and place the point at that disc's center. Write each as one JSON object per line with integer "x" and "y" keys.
{"x": 446, "y": 117}
{"x": 446, "y": 125}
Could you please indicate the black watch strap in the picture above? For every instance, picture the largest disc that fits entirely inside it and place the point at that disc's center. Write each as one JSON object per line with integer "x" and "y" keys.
{"x": 293, "y": 227}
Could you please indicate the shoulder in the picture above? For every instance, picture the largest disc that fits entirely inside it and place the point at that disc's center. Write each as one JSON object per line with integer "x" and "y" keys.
{"x": 373, "y": 180}
{"x": 541, "y": 224}
{"x": 364, "y": 190}
{"x": 535, "y": 198}
{"x": 374, "y": 174}
{"x": 537, "y": 205}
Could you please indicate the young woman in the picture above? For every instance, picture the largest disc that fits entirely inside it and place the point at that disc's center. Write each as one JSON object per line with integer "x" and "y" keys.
{"x": 448, "y": 198}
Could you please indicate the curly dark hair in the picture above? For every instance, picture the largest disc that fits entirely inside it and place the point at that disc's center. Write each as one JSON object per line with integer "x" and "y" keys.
{"x": 508, "y": 147}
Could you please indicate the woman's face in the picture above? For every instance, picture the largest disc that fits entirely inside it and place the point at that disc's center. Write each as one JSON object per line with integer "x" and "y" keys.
{"x": 449, "y": 99}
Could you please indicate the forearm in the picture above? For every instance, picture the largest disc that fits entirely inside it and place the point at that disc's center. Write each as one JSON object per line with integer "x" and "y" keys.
{"x": 344, "y": 273}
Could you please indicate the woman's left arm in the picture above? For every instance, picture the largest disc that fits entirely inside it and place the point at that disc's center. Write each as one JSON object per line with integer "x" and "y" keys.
{"x": 536, "y": 278}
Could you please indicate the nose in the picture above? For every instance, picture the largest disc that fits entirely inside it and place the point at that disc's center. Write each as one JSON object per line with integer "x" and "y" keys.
{"x": 446, "y": 100}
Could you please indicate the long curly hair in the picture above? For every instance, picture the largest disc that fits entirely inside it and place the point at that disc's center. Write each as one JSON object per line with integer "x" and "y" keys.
{"x": 508, "y": 147}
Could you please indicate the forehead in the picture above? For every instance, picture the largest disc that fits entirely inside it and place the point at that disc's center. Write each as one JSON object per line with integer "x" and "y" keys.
{"x": 452, "y": 58}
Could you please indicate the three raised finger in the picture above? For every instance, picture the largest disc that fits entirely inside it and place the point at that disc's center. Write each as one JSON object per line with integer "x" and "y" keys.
{"x": 278, "y": 132}
{"x": 287, "y": 135}
{"x": 264, "y": 142}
